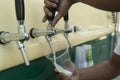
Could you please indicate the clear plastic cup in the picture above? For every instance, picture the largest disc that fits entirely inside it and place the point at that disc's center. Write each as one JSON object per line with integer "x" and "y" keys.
{"x": 62, "y": 59}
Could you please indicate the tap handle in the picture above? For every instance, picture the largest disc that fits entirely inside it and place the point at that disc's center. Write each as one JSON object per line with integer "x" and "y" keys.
{"x": 20, "y": 12}
{"x": 50, "y": 18}
{"x": 66, "y": 17}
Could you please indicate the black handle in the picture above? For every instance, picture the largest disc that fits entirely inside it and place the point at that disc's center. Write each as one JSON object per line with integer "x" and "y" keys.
{"x": 66, "y": 17}
{"x": 52, "y": 10}
{"x": 20, "y": 12}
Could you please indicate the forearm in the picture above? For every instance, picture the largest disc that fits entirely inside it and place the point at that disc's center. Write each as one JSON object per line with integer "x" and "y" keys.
{"x": 109, "y": 5}
{"x": 101, "y": 71}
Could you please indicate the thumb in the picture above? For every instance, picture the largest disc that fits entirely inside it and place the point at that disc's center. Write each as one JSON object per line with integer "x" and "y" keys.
{"x": 56, "y": 19}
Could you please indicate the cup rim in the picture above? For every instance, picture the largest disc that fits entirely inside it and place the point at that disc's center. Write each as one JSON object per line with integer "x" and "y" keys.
{"x": 67, "y": 49}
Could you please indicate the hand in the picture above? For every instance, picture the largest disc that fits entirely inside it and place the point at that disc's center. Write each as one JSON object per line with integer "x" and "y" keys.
{"x": 75, "y": 75}
{"x": 62, "y": 8}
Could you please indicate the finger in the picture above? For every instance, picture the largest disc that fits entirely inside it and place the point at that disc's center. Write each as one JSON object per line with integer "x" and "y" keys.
{"x": 75, "y": 70}
{"x": 47, "y": 12}
{"x": 50, "y": 3}
{"x": 44, "y": 18}
{"x": 56, "y": 19}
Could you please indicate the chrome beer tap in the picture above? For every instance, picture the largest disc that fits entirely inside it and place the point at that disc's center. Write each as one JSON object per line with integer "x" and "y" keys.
{"x": 51, "y": 31}
{"x": 22, "y": 35}
{"x": 67, "y": 28}
{"x": 35, "y": 32}
{"x": 20, "y": 14}
{"x": 50, "y": 28}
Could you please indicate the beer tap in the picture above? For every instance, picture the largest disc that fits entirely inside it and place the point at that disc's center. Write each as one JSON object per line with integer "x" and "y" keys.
{"x": 51, "y": 31}
{"x": 49, "y": 39}
{"x": 22, "y": 35}
{"x": 35, "y": 32}
{"x": 50, "y": 28}
{"x": 67, "y": 28}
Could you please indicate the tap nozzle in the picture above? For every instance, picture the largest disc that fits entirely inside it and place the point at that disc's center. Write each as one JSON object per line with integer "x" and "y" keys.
{"x": 22, "y": 50}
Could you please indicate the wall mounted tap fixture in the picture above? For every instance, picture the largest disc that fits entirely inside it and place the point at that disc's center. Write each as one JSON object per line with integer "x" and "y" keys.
{"x": 51, "y": 31}
{"x": 22, "y": 35}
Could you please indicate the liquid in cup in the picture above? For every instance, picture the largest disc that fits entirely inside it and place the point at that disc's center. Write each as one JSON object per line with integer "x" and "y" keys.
{"x": 63, "y": 62}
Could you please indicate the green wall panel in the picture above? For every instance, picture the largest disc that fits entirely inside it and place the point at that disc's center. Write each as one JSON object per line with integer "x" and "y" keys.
{"x": 101, "y": 49}
{"x": 40, "y": 69}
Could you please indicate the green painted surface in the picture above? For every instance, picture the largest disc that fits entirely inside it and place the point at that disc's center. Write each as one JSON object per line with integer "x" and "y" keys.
{"x": 101, "y": 49}
{"x": 42, "y": 69}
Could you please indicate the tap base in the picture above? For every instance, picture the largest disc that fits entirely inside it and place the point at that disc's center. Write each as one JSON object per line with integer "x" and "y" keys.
{"x": 1, "y": 42}
{"x": 31, "y": 33}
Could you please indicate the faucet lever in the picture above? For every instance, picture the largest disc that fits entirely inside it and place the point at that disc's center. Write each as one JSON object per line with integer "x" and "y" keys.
{"x": 20, "y": 12}
{"x": 50, "y": 19}
{"x": 66, "y": 17}
{"x": 52, "y": 10}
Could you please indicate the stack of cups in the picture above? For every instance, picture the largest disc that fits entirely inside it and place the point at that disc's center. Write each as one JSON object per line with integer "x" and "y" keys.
{"x": 80, "y": 58}
{"x": 83, "y": 56}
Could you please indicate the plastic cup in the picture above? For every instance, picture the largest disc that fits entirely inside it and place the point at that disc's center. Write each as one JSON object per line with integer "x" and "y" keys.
{"x": 62, "y": 59}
